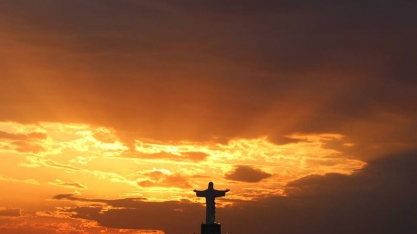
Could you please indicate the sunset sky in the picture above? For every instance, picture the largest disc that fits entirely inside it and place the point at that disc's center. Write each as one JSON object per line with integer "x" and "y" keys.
{"x": 113, "y": 111}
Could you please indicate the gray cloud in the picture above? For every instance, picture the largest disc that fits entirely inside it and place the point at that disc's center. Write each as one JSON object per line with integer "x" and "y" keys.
{"x": 10, "y": 212}
{"x": 64, "y": 196}
{"x": 269, "y": 68}
{"x": 247, "y": 174}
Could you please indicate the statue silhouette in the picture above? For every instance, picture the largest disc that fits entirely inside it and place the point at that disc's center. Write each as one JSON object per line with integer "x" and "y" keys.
{"x": 210, "y": 194}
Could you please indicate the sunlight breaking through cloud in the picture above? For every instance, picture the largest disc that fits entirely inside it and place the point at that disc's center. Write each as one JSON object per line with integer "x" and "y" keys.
{"x": 93, "y": 156}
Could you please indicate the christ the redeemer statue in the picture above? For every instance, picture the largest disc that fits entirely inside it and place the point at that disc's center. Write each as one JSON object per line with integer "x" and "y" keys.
{"x": 210, "y": 194}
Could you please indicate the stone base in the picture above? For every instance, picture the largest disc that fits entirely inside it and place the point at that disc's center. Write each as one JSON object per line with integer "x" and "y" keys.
{"x": 213, "y": 228}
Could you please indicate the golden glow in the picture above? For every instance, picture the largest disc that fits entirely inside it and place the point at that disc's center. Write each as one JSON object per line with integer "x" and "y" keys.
{"x": 52, "y": 158}
{"x": 81, "y": 157}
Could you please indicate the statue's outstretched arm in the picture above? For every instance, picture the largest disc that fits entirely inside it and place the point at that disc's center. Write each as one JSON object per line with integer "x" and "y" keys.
{"x": 200, "y": 193}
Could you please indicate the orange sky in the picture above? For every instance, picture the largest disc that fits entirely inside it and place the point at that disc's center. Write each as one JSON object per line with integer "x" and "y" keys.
{"x": 112, "y": 112}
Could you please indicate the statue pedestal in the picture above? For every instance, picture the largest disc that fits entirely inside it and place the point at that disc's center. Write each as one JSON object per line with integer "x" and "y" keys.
{"x": 213, "y": 228}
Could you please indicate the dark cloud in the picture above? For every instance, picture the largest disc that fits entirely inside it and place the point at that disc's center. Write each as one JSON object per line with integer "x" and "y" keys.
{"x": 283, "y": 140}
{"x": 247, "y": 174}
{"x": 207, "y": 70}
{"x": 377, "y": 199}
{"x": 10, "y": 212}
{"x": 64, "y": 196}
{"x": 136, "y": 214}
{"x": 380, "y": 198}
{"x": 218, "y": 70}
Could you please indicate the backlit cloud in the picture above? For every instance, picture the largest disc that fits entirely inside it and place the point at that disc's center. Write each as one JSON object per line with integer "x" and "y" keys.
{"x": 298, "y": 107}
{"x": 247, "y": 174}
{"x": 183, "y": 156}
{"x": 22, "y": 142}
{"x": 160, "y": 179}
{"x": 65, "y": 184}
{"x": 332, "y": 196}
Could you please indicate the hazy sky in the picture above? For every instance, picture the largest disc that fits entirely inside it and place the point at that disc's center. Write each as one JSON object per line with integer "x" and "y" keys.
{"x": 113, "y": 111}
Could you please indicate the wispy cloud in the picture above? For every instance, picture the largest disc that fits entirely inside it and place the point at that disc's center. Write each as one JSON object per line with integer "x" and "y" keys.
{"x": 14, "y": 180}
{"x": 34, "y": 161}
{"x": 65, "y": 184}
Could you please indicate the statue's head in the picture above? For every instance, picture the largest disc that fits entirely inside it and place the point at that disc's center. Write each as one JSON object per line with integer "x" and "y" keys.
{"x": 210, "y": 185}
